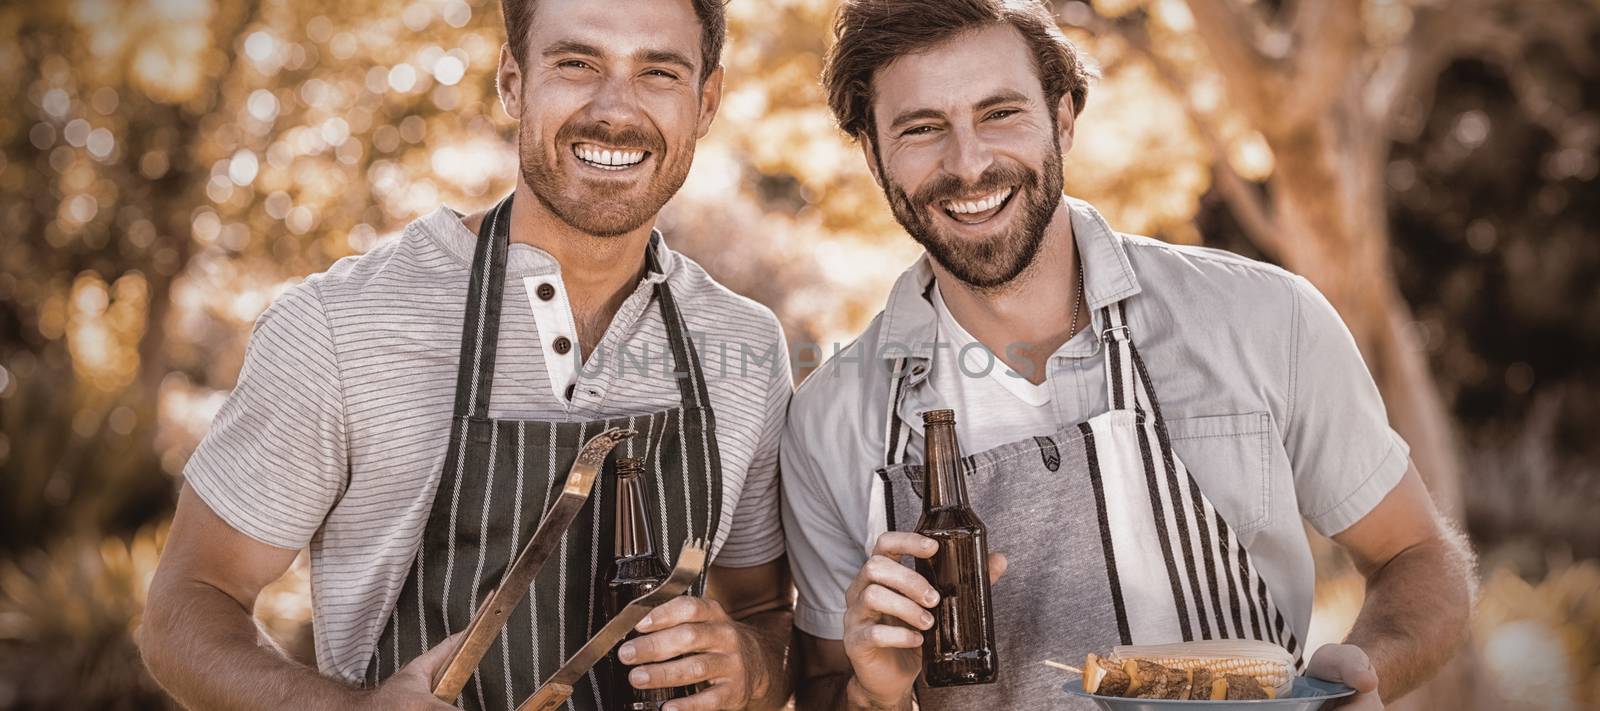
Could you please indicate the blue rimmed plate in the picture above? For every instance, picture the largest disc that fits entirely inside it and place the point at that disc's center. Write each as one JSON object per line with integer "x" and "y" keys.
{"x": 1305, "y": 694}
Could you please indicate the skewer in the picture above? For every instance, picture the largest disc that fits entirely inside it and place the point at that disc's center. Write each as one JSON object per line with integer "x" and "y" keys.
{"x": 1063, "y": 667}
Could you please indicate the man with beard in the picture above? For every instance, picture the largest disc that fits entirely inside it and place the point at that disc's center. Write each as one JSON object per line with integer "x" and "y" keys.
{"x": 410, "y": 413}
{"x": 1146, "y": 425}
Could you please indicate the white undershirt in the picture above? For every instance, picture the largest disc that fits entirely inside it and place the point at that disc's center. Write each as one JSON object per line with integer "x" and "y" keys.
{"x": 993, "y": 404}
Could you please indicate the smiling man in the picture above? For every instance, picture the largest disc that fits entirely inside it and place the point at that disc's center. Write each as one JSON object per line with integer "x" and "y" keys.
{"x": 410, "y": 413}
{"x": 1147, "y": 426}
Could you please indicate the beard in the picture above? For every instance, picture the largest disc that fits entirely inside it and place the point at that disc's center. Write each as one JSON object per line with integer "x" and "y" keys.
{"x": 993, "y": 262}
{"x": 600, "y": 207}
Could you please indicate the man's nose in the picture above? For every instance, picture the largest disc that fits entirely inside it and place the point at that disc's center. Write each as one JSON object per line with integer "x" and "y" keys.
{"x": 615, "y": 104}
{"x": 967, "y": 156}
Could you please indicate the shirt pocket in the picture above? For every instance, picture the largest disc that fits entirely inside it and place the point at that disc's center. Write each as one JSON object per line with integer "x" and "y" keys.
{"x": 1228, "y": 456}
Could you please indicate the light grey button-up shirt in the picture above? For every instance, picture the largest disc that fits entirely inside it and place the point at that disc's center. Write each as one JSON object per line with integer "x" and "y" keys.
{"x": 1266, "y": 397}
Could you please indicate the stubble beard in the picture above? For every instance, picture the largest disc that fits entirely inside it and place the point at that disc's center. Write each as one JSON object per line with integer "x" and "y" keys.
{"x": 602, "y": 208}
{"x": 994, "y": 263}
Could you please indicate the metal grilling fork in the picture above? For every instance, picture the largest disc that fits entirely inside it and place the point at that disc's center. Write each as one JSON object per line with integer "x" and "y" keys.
{"x": 555, "y": 690}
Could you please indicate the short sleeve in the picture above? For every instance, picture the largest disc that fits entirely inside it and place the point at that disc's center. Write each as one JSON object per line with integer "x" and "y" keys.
{"x": 824, "y": 553}
{"x": 756, "y": 533}
{"x": 1344, "y": 455}
{"x": 275, "y": 459}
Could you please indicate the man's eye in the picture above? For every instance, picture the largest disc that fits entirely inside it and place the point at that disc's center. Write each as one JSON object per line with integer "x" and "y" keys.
{"x": 1003, "y": 113}
{"x": 662, "y": 73}
{"x": 574, "y": 63}
{"x": 918, "y": 131}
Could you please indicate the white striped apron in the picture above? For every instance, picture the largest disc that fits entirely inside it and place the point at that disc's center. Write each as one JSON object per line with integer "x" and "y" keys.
{"x": 1109, "y": 540}
{"x": 500, "y": 475}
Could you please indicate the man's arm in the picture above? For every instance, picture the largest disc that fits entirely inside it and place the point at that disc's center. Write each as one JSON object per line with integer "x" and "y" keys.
{"x": 1420, "y": 587}
{"x": 826, "y": 681}
{"x": 759, "y": 599}
{"x": 735, "y": 639}
{"x": 200, "y": 641}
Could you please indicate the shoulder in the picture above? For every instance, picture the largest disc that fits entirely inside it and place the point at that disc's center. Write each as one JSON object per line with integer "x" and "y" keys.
{"x": 720, "y": 313}
{"x": 1165, "y": 261}
{"x": 395, "y": 263}
{"x": 1214, "y": 286}
{"x": 837, "y": 402}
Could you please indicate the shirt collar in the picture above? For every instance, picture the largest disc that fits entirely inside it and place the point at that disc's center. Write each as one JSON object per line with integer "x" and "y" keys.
{"x": 445, "y": 228}
{"x": 910, "y": 323}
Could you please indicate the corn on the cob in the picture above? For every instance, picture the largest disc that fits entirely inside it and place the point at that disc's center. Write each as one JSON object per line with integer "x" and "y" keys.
{"x": 1216, "y": 670}
{"x": 1269, "y": 674}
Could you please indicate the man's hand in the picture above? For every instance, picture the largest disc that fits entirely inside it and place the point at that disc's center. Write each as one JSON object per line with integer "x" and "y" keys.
{"x": 1347, "y": 664}
{"x": 411, "y": 688}
{"x": 885, "y": 606}
{"x": 691, "y": 640}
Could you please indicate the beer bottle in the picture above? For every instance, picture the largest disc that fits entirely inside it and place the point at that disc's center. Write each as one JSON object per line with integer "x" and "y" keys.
{"x": 637, "y": 569}
{"x": 959, "y": 649}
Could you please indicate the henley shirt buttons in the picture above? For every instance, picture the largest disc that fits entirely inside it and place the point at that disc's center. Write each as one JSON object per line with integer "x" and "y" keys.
{"x": 562, "y": 345}
{"x": 570, "y": 388}
{"x": 546, "y": 292}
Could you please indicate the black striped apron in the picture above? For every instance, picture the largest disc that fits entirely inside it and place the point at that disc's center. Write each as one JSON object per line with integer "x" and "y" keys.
{"x": 1109, "y": 539}
{"x": 499, "y": 476}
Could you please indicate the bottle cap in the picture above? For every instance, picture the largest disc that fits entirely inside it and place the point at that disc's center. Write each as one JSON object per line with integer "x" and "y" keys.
{"x": 939, "y": 417}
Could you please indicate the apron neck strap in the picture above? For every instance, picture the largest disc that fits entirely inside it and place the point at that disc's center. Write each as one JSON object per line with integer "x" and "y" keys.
{"x": 1128, "y": 385}
{"x": 896, "y": 434}
{"x": 685, "y": 358}
{"x": 480, "y": 330}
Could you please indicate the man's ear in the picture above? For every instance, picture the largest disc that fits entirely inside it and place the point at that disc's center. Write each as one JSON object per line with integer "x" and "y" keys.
{"x": 869, "y": 151}
{"x": 1066, "y": 121}
{"x": 710, "y": 100}
{"x": 508, "y": 82}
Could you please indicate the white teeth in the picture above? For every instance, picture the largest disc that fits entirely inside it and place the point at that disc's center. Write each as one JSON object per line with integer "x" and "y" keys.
{"x": 983, "y": 204}
{"x": 607, "y": 158}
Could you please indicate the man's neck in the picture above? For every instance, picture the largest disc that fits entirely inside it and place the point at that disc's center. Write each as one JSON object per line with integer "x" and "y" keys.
{"x": 1026, "y": 321}
{"x": 598, "y": 272}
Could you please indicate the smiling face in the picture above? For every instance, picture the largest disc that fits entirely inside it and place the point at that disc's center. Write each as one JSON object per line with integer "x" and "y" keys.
{"x": 611, "y": 103}
{"x": 969, "y": 152}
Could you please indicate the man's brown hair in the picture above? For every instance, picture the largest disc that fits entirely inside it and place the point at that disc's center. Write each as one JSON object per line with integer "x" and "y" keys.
{"x": 870, "y": 34}
{"x": 711, "y": 13}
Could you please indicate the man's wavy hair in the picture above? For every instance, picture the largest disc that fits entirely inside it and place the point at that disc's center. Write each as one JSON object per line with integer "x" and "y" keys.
{"x": 870, "y": 34}
{"x": 711, "y": 13}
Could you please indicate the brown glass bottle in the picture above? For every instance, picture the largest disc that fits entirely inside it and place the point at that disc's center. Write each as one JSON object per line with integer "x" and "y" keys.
{"x": 959, "y": 649}
{"x": 636, "y": 569}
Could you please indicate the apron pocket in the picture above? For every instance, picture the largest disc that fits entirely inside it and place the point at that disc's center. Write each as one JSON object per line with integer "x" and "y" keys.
{"x": 1228, "y": 457}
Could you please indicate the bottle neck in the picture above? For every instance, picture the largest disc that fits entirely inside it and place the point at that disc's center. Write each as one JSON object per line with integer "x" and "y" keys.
{"x": 946, "y": 482}
{"x": 634, "y": 537}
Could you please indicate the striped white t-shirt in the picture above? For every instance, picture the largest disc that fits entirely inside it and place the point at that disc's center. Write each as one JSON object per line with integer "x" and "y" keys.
{"x": 335, "y": 434}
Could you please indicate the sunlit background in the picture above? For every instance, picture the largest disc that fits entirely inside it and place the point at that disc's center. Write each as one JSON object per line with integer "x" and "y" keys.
{"x": 168, "y": 166}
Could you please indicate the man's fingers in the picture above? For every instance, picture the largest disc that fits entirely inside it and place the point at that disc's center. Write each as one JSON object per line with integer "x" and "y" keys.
{"x": 889, "y": 573}
{"x": 711, "y": 698}
{"x": 429, "y": 662}
{"x": 888, "y": 636}
{"x": 883, "y": 601}
{"x": 997, "y": 567}
{"x": 674, "y": 642}
{"x": 898, "y": 543}
{"x": 680, "y": 610}
{"x": 1363, "y": 680}
{"x": 678, "y": 672}
{"x": 1348, "y": 665}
